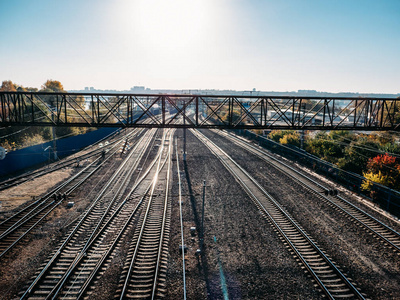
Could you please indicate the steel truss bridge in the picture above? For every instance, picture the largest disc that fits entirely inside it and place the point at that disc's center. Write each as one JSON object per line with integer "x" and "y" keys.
{"x": 197, "y": 111}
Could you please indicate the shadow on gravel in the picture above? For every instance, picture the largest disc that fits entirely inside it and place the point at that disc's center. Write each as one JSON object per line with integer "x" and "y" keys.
{"x": 202, "y": 260}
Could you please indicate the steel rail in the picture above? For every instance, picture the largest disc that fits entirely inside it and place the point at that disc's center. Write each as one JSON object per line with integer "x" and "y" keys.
{"x": 154, "y": 182}
{"x": 81, "y": 221}
{"x": 100, "y": 263}
{"x": 44, "y": 199}
{"x": 61, "y": 164}
{"x": 224, "y": 158}
{"x": 28, "y": 231}
{"x": 181, "y": 220}
{"x": 69, "y": 160}
{"x": 142, "y": 228}
{"x": 32, "y": 204}
{"x": 57, "y": 188}
{"x": 333, "y": 201}
{"x": 155, "y": 281}
{"x": 19, "y": 212}
{"x": 26, "y": 219}
{"x": 90, "y": 242}
{"x": 31, "y": 214}
{"x": 26, "y": 177}
{"x": 96, "y": 231}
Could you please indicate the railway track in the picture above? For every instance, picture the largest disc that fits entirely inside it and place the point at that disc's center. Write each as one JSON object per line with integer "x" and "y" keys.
{"x": 18, "y": 226}
{"x": 78, "y": 259}
{"x": 380, "y": 230}
{"x": 110, "y": 150}
{"x": 144, "y": 274}
{"x": 333, "y": 283}
{"x": 86, "y": 153}
{"x": 181, "y": 222}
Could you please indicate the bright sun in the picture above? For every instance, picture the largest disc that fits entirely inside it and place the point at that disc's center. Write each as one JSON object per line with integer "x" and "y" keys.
{"x": 171, "y": 22}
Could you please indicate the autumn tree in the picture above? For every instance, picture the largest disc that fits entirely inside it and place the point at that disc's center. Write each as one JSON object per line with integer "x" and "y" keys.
{"x": 52, "y": 86}
{"x": 387, "y": 141}
{"x": 325, "y": 147}
{"x": 357, "y": 153}
{"x": 8, "y": 86}
{"x": 236, "y": 115}
{"x": 285, "y": 137}
{"x": 292, "y": 138}
{"x": 276, "y": 135}
{"x": 383, "y": 169}
{"x": 19, "y": 137}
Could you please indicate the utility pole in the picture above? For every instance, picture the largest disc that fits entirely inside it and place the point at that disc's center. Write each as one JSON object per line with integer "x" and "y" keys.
{"x": 184, "y": 132}
{"x": 54, "y": 138}
{"x": 54, "y": 145}
{"x": 202, "y": 217}
{"x": 302, "y": 131}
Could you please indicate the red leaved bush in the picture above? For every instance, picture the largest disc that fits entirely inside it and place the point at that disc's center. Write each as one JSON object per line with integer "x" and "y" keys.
{"x": 385, "y": 166}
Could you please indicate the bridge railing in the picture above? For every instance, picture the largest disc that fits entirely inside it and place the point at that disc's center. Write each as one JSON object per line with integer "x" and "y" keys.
{"x": 197, "y": 111}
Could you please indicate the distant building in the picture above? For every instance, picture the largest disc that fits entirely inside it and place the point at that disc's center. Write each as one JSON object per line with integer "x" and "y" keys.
{"x": 92, "y": 88}
{"x": 307, "y": 92}
{"x": 138, "y": 88}
{"x": 86, "y": 88}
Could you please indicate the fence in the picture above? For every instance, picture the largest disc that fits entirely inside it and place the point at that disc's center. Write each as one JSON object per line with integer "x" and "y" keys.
{"x": 28, "y": 157}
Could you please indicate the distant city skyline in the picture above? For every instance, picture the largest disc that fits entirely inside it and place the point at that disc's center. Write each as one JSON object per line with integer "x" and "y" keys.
{"x": 253, "y": 92}
{"x": 289, "y": 45}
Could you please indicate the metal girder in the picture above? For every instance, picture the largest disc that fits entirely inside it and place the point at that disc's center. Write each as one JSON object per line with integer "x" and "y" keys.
{"x": 197, "y": 111}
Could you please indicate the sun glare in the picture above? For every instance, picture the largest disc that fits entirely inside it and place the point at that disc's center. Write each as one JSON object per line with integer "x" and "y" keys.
{"x": 171, "y": 22}
{"x": 172, "y": 37}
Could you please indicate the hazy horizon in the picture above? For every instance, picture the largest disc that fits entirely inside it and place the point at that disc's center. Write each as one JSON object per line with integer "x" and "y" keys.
{"x": 329, "y": 46}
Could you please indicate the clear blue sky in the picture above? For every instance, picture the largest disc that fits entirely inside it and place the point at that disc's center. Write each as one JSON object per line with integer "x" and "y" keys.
{"x": 285, "y": 45}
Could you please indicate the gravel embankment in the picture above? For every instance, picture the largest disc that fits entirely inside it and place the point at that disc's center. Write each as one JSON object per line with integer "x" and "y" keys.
{"x": 372, "y": 266}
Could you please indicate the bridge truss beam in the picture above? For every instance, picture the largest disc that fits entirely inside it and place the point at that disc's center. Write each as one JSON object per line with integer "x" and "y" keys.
{"x": 197, "y": 111}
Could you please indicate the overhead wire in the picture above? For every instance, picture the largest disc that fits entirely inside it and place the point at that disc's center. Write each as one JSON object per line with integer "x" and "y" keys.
{"x": 365, "y": 148}
{"x": 360, "y": 147}
{"x": 16, "y": 132}
{"x": 19, "y": 131}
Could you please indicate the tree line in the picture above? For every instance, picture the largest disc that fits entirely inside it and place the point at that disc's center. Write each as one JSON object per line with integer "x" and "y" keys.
{"x": 375, "y": 156}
